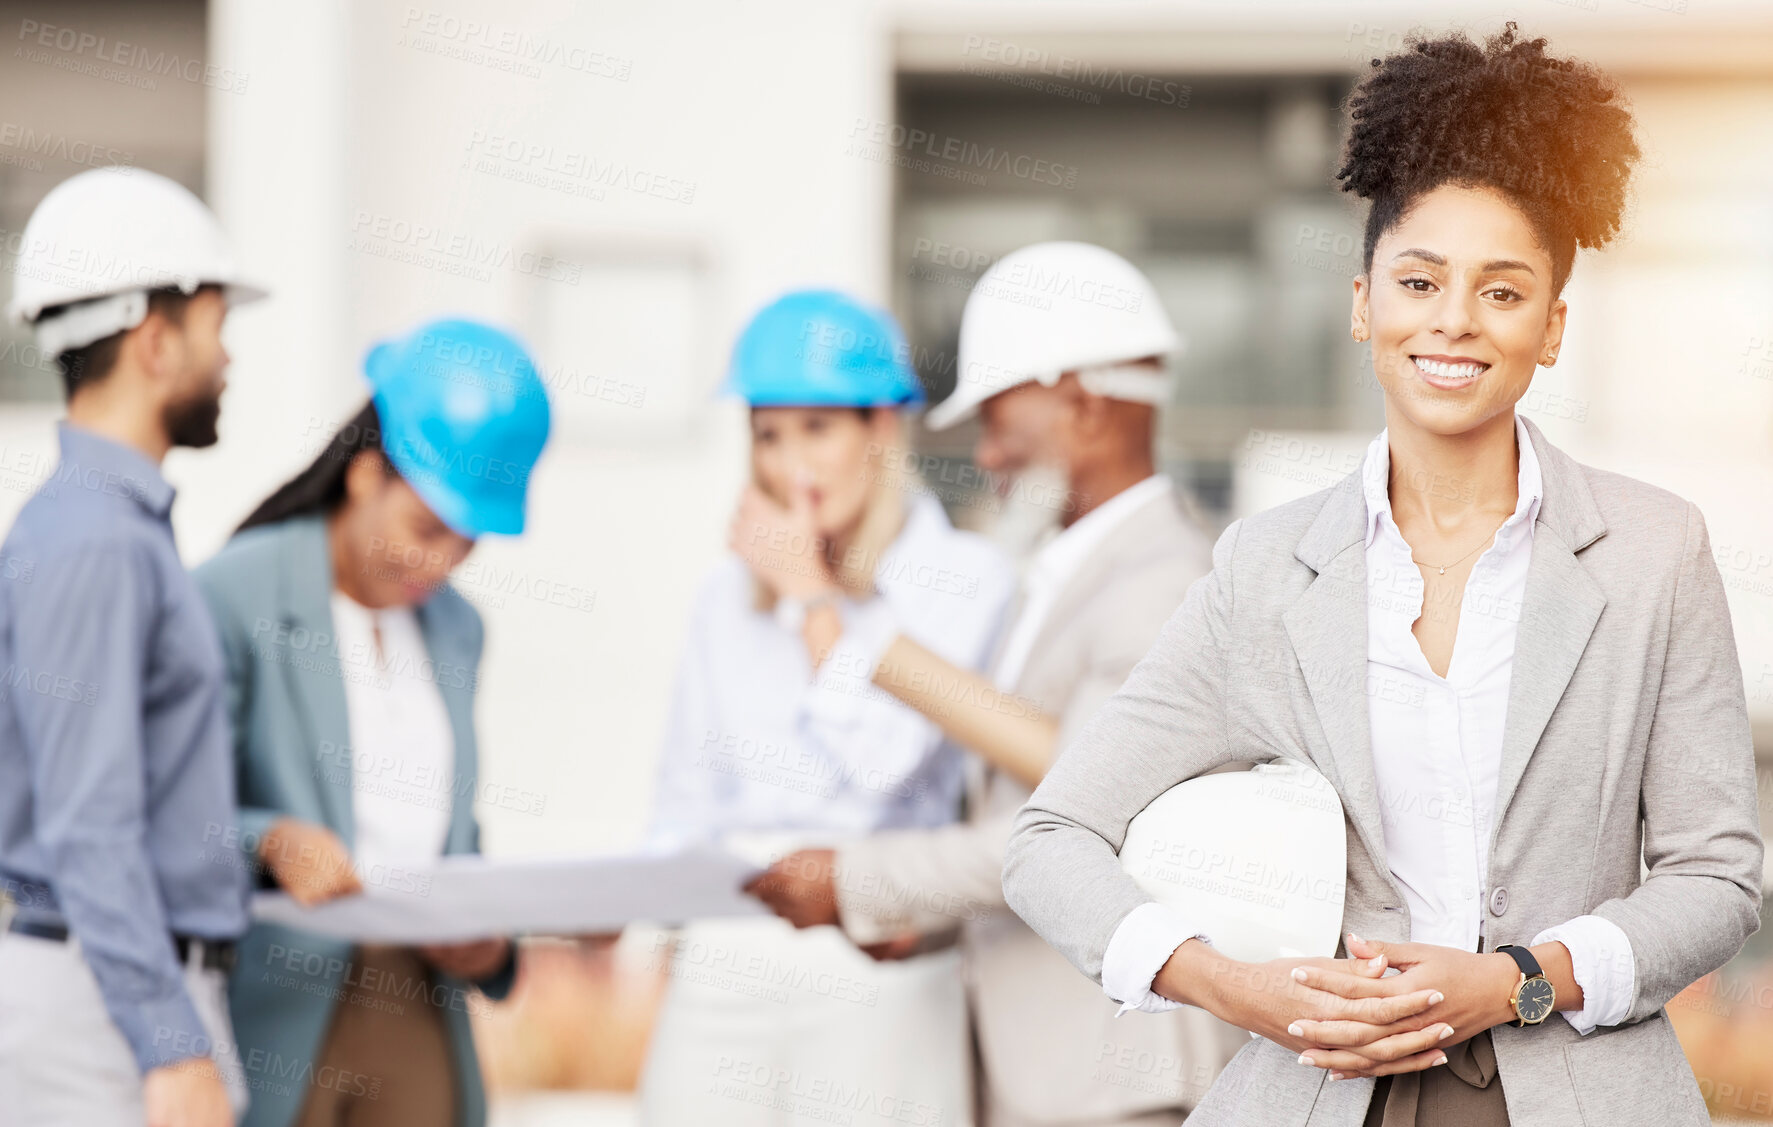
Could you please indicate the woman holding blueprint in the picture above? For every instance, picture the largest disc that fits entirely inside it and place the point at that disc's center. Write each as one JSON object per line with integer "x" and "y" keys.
{"x": 778, "y": 740}
{"x": 352, "y": 666}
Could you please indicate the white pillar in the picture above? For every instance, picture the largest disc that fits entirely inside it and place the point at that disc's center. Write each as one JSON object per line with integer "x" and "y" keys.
{"x": 279, "y": 176}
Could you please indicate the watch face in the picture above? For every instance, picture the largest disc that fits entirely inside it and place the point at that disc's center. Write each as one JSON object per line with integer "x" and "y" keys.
{"x": 1534, "y": 1000}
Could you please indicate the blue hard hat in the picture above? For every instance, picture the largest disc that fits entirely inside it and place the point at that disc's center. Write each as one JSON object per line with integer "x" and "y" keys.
{"x": 464, "y": 418}
{"x": 821, "y": 348}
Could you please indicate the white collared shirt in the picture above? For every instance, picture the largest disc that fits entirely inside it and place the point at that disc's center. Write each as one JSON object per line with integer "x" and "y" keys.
{"x": 1437, "y": 751}
{"x": 402, "y": 754}
{"x": 1055, "y": 564}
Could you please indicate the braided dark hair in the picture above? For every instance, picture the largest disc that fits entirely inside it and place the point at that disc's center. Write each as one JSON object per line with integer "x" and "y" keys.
{"x": 1552, "y": 135}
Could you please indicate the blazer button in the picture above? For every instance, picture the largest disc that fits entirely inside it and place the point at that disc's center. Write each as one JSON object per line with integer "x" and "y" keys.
{"x": 1498, "y": 901}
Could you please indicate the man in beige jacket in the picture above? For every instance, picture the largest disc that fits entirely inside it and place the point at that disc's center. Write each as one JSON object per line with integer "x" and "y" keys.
{"x": 1068, "y": 384}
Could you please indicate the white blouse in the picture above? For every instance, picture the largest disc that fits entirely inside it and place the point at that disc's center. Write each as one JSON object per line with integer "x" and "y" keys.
{"x": 757, "y": 742}
{"x": 402, "y": 754}
{"x": 1437, "y": 750}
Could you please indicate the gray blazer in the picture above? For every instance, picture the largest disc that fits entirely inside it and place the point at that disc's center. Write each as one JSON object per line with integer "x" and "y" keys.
{"x": 1051, "y": 1048}
{"x": 1627, "y": 736}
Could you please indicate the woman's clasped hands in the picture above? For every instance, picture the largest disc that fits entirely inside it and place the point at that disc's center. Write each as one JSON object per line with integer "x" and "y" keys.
{"x": 1347, "y": 1015}
{"x": 1359, "y": 1021}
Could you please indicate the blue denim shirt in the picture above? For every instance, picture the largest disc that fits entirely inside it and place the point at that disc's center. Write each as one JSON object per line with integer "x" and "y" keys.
{"x": 116, "y": 768}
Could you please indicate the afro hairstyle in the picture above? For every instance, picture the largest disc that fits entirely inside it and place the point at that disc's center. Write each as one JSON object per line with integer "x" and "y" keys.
{"x": 1551, "y": 135}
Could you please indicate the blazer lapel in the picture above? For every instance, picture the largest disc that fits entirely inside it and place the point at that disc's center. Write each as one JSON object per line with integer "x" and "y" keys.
{"x": 1559, "y": 611}
{"x": 314, "y": 673}
{"x": 1327, "y": 627}
{"x": 1134, "y": 529}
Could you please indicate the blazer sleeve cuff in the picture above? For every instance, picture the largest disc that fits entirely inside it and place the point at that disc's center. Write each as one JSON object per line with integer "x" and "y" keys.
{"x": 1140, "y": 946}
{"x": 1602, "y": 963}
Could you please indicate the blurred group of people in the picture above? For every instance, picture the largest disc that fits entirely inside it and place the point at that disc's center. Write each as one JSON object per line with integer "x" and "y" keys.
{"x": 907, "y": 732}
{"x": 866, "y": 696}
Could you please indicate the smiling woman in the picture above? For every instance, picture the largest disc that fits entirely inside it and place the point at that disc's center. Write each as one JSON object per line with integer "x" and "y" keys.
{"x": 1496, "y": 821}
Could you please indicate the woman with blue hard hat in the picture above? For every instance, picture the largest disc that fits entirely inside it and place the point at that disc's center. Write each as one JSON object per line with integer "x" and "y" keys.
{"x": 778, "y": 740}
{"x": 351, "y": 665}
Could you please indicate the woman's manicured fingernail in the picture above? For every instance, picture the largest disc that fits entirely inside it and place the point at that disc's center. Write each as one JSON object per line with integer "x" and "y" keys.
{"x": 1299, "y": 974}
{"x": 1374, "y": 962}
{"x": 1446, "y": 1032}
{"x": 1305, "y": 1058}
{"x": 1335, "y": 1076}
{"x": 1436, "y": 998}
{"x": 1442, "y": 1060}
{"x": 1296, "y": 1029}
{"x": 1353, "y": 938}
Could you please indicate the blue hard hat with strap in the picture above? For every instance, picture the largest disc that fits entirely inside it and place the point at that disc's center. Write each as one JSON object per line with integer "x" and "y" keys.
{"x": 464, "y": 418}
{"x": 821, "y": 348}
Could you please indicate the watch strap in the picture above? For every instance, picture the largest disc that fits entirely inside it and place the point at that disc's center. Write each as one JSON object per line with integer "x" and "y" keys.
{"x": 1530, "y": 968}
{"x": 1524, "y": 959}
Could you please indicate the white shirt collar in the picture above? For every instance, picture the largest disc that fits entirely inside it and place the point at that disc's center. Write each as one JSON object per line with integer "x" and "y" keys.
{"x": 1376, "y": 482}
{"x": 1066, "y": 552}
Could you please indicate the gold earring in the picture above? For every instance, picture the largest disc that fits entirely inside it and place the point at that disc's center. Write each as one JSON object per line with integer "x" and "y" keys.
{"x": 1358, "y": 335}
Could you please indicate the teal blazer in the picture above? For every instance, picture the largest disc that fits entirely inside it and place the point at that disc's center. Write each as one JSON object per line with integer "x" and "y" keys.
{"x": 269, "y": 591}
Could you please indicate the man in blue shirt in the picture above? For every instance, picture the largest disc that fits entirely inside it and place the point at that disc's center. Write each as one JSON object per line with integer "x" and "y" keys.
{"x": 117, "y": 848}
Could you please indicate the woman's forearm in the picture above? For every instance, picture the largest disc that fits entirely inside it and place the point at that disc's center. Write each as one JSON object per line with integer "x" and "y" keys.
{"x": 1008, "y": 732}
{"x": 1555, "y": 963}
{"x": 1190, "y": 976}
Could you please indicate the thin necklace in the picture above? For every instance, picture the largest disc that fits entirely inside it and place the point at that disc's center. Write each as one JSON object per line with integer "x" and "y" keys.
{"x": 1443, "y": 567}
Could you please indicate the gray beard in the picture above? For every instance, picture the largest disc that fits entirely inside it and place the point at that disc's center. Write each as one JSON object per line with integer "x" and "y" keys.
{"x": 1032, "y": 511}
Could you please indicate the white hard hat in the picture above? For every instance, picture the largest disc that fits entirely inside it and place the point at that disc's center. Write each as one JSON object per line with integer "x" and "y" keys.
{"x": 103, "y": 239}
{"x": 1053, "y": 308}
{"x": 1255, "y": 860}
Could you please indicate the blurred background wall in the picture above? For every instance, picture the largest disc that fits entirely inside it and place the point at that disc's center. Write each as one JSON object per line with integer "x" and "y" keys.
{"x": 624, "y": 183}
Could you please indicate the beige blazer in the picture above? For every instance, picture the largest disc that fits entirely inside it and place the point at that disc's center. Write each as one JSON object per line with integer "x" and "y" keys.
{"x": 1050, "y": 1047}
{"x": 1626, "y": 736}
